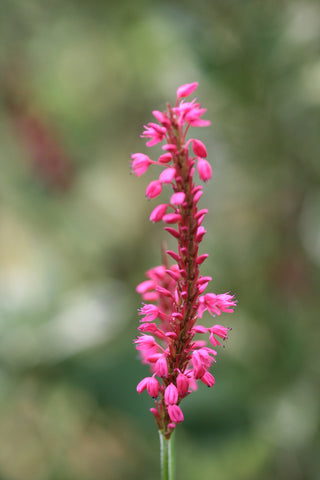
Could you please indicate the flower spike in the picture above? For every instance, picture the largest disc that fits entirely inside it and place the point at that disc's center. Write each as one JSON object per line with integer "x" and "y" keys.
{"x": 175, "y": 294}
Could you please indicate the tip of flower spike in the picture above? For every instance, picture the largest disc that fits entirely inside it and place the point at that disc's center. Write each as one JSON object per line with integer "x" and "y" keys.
{"x": 186, "y": 89}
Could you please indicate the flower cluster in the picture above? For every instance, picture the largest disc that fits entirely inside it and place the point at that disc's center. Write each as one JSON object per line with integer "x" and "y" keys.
{"x": 174, "y": 294}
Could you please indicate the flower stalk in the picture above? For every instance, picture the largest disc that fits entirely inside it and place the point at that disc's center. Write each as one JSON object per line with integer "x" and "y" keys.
{"x": 167, "y": 457}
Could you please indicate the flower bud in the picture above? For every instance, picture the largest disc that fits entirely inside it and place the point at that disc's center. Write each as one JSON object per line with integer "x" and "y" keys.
{"x": 158, "y": 212}
{"x": 204, "y": 169}
{"x": 182, "y": 384}
{"x": 171, "y": 395}
{"x": 153, "y": 387}
{"x": 186, "y": 89}
{"x": 154, "y": 189}
{"x": 175, "y": 413}
{"x": 199, "y": 149}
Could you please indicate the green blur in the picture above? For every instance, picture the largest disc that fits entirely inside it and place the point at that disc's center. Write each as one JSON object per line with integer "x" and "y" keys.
{"x": 78, "y": 79}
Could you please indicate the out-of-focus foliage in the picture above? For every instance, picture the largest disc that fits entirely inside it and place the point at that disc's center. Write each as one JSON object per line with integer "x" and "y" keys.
{"x": 78, "y": 80}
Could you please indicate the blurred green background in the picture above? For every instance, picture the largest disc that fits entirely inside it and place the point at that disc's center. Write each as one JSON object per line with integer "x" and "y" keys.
{"x": 78, "y": 79}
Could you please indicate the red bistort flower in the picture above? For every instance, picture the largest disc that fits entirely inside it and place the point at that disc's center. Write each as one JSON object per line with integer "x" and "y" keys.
{"x": 168, "y": 324}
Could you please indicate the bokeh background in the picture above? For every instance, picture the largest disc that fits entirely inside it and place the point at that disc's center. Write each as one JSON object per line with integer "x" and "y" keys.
{"x": 78, "y": 79}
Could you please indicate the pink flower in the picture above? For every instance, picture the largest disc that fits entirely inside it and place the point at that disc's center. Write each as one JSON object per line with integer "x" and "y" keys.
{"x": 162, "y": 118}
{"x": 151, "y": 384}
{"x": 187, "y": 89}
{"x": 145, "y": 342}
{"x": 155, "y": 132}
{"x": 150, "y": 311}
{"x": 204, "y": 169}
{"x": 174, "y": 293}
{"x": 219, "y": 331}
{"x": 193, "y": 117}
{"x": 215, "y": 304}
{"x": 140, "y": 163}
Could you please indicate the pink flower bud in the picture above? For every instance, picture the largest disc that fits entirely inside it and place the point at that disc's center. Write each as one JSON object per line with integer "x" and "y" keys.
{"x": 202, "y": 258}
{"x": 155, "y": 412}
{"x": 150, "y": 296}
{"x": 167, "y": 175}
{"x": 153, "y": 387}
{"x": 172, "y": 232}
{"x": 170, "y": 147}
{"x": 175, "y": 413}
{"x": 197, "y": 196}
{"x": 161, "y": 367}
{"x": 208, "y": 379}
{"x": 204, "y": 169}
{"x": 199, "y": 149}
{"x": 178, "y": 198}
{"x": 200, "y": 213}
{"x": 172, "y": 218}
{"x": 201, "y": 231}
{"x": 145, "y": 286}
{"x": 202, "y": 280}
{"x": 163, "y": 291}
{"x": 165, "y": 158}
{"x": 171, "y": 395}
{"x": 158, "y": 213}
{"x": 186, "y": 89}
{"x": 175, "y": 276}
{"x": 174, "y": 255}
{"x": 154, "y": 189}
{"x": 182, "y": 384}
{"x": 172, "y": 425}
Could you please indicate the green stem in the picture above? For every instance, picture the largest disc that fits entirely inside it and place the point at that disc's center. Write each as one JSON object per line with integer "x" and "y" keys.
{"x": 167, "y": 457}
